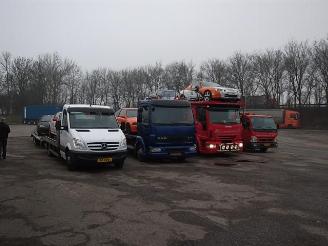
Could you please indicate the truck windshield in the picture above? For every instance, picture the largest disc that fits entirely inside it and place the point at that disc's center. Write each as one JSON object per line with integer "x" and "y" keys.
{"x": 132, "y": 112}
{"x": 263, "y": 123}
{"x": 224, "y": 116}
{"x": 172, "y": 116}
{"x": 92, "y": 119}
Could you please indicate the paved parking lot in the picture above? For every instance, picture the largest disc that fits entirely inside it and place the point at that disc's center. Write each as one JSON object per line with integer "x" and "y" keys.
{"x": 274, "y": 198}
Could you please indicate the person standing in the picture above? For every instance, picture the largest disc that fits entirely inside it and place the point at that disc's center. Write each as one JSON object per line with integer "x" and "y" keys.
{"x": 4, "y": 131}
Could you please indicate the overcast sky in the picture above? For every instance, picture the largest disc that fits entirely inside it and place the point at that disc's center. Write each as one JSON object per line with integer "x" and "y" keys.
{"x": 128, "y": 33}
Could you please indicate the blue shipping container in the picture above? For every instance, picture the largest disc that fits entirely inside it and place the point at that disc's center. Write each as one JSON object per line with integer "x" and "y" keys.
{"x": 33, "y": 113}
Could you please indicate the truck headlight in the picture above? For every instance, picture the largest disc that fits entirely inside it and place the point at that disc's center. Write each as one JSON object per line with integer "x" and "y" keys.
{"x": 79, "y": 144}
{"x": 155, "y": 149}
{"x": 211, "y": 146}
{"x": 123, "y": 143}
{"x": 253, "y": 139}
{"x": 193, "y": 148}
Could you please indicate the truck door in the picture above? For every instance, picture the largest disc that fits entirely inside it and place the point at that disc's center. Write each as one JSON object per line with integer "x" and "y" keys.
{"x": 144, "y": 123}
{"x": 246, "y": 129}
{"x": 64, "y": 134}
{"x": 201, "y": 125}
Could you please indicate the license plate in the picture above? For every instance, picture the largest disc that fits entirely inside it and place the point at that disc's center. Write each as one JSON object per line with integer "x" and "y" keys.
{"x": 267, "y": 145}
{"x": 104, "y": 159}
{"x": 175, "y": 154}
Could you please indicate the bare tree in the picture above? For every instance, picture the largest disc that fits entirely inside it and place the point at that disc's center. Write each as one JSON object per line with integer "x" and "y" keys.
{"x": 178, "y": 75}
{"x": 268, "y": 69}
{"x": 214, "y": 70}
{"x": 297, "y": 61}
{"x": 21, "y": 72}
{"x": 241, "y": 74}
{"x": 5, "y": 65}
{"x": 320, "y": 50}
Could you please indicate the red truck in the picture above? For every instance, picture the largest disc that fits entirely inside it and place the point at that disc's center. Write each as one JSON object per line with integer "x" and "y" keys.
{"x": 284, "y": 118}
{"x": 259, "y": 132}
{"x": 218, "y": 126}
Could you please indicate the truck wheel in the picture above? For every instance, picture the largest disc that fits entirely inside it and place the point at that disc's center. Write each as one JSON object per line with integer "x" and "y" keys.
{"x": 207, "y": 95}
{"x": 48, "y": 151}
{"x": 119, "y": 164}
{"x": 71, "y": 163}
{"x": 140, "y": 154}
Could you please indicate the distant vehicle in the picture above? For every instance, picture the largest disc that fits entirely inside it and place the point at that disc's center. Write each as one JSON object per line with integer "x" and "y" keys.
{"x": 43, "y": 125}
{"x": 283, "y": 118}
{"x": 33, "y": 113}
{"x": 52, "y": 123}
{"x": 190, "y": 95}
{"x": 214, "y": 91}
{"x": 259, "y": 132}
{"x": 167, "y": 94}
{"x": 127, "y": 117}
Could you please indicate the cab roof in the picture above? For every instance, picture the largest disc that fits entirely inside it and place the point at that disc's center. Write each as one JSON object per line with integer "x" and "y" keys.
{"x": 167, "y": 103}
{"x": 66, "y": 106}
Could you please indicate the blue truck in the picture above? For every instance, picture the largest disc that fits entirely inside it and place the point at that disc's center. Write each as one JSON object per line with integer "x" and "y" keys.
{"x": 165, "y": 130}
{"x": 33, "y": 113}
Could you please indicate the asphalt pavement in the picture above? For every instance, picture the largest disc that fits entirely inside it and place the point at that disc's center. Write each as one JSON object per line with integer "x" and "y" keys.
{"x": 274, "y": 198}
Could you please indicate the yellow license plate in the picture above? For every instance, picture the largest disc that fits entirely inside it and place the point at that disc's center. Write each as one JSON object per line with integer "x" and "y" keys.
{"x": 104, "y": 159}
{"x": 267, "y": 145}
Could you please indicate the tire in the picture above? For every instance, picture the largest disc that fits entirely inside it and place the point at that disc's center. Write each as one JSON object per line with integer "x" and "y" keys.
{"x": 207, "y": 96}
{"x": 140, "y": 154}
{"x": 70, "y": 162}
{"x": 119, "y": 164}
{"x": 35, "y": 141}
{"x": 48, "y": 151}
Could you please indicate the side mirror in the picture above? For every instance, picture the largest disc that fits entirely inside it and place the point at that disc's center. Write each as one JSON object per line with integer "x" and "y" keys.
{"x": 245, "y": 124}
{"x": 65, "y": 128}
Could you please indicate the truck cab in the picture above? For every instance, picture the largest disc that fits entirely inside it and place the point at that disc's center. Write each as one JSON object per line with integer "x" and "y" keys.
{"x": 90, "y": 133}
{"x": 165, "y": 130}
{"x": 259, "y": 132}
{"x": 218, "y": 127}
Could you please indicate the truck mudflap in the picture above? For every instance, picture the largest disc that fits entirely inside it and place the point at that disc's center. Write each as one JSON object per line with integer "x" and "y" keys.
{"x": 99, "y": 157}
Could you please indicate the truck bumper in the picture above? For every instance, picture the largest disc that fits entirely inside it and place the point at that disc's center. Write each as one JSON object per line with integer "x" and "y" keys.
{"x": 172, "y": 152}
{"x": 214, "y": 147}
{"x": 93, "y": 157}
{"x": 259, "y": 146}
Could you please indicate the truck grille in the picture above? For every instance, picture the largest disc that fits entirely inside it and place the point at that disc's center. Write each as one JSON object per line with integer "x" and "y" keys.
{"x": 103, "y": 146}
{"x": 227, "y": 139}
{"x": 175, "y": 139}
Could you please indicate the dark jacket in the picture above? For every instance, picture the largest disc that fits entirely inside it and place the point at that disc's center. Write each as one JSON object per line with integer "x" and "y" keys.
{"x": 4, "y": 130}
